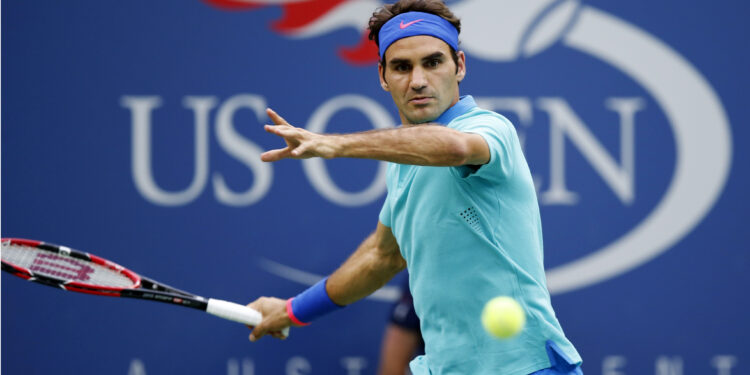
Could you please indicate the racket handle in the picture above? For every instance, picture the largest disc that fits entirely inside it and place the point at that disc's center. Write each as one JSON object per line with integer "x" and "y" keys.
{"x": 236, "y": 312}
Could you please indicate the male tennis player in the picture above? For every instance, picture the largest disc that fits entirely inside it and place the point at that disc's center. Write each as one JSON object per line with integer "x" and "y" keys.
{"x": 461, "y": 211}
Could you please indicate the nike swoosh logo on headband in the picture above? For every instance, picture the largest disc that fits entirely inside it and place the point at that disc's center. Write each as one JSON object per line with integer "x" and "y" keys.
{"x": 405, "y": 25}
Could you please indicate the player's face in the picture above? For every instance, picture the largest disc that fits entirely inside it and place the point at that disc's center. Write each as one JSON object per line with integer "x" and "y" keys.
{"x": 422, "y": 78}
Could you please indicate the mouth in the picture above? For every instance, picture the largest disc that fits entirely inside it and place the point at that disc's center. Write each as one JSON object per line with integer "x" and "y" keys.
{"x": 420, "y": 100}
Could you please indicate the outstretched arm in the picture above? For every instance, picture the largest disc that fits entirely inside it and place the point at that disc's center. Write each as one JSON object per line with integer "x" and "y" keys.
{"x": 376, "y": 261}
{"x": 433, "y": 145}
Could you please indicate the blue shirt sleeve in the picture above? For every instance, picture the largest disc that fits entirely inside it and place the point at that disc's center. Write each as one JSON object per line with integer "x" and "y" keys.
{"x": 502, "y": 141}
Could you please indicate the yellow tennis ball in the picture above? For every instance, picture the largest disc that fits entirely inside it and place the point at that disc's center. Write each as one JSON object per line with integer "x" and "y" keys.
{"x": 503, "y": 317}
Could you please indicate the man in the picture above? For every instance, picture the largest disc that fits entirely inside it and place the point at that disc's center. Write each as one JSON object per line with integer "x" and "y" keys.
{"x": 461, "y": 211}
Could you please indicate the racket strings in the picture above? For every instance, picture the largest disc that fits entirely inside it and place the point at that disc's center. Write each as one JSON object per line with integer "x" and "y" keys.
{"x": 64, "y": 267}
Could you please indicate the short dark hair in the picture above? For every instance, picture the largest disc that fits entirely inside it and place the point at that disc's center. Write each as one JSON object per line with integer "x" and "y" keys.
{"x": 388, "y": 11}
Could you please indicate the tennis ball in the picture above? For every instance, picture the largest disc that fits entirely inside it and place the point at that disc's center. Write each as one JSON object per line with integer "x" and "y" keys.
{"x": 503, "y": 317}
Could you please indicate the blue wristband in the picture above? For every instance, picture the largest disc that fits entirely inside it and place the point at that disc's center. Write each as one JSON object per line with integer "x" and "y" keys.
{"x": 313, "y": 303}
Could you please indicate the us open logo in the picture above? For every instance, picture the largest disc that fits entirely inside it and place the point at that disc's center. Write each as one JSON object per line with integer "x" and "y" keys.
{"x": 693, "y": 111}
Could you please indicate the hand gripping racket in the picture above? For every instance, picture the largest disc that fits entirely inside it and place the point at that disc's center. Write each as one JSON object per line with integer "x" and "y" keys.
{"x": 76, "y": 271}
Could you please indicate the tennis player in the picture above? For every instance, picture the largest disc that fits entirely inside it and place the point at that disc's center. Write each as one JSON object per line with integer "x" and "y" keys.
{"x": 461, "y": 211}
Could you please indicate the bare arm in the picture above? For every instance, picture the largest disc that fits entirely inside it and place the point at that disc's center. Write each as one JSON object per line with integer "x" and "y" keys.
{"x": 375, "y": 262}
{"x": 433, "y": 145}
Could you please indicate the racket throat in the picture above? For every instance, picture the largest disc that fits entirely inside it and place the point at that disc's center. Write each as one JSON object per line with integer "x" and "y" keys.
{"x": 192, "y": 301}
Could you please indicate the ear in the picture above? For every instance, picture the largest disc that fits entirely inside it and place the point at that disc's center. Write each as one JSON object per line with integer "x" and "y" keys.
{"x": 461, "y": 71}
{"x": 383, "y": 83}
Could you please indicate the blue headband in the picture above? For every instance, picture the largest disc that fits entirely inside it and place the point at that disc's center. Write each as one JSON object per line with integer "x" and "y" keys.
{"x": 416, "y": 23}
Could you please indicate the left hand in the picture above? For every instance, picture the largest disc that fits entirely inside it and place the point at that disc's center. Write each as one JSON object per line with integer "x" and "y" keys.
{"x": 300, "y": 143}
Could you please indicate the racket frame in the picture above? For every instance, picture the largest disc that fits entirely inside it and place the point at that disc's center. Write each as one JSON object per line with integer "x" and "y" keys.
{"x": 142, "y": 287}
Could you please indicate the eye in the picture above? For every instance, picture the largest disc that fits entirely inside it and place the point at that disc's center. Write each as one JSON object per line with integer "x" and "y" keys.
{"x": 401, "y": 67}
{"x": 432, "y": 63}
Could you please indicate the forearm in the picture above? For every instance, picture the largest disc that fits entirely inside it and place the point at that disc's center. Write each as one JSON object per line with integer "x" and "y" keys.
{"x": 368, "y": 269}
{"x": 375, "y": 262}
{"x": 432, "y": 145}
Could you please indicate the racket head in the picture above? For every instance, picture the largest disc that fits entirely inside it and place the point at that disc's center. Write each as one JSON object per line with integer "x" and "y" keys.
{"x": 63, "y": 267}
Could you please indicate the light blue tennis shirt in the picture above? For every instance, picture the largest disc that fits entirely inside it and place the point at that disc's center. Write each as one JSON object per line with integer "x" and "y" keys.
{"x": 469, "y": 235}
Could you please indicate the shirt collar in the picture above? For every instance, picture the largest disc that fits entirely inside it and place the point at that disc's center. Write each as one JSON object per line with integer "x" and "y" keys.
{"x": 465, "y": 104}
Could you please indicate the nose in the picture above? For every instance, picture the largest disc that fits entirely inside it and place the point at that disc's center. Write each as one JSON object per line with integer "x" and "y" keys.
{"x": 418, "y": 79}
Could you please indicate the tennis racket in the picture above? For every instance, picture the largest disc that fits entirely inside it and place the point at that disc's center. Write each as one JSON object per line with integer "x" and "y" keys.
{"x": 76, "y": 271}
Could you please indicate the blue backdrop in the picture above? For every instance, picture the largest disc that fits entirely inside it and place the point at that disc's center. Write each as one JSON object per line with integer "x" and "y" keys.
{"x": 131, "y": 129}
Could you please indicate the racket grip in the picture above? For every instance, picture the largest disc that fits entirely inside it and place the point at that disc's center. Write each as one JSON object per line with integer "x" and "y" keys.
{"x": 237, "y": 313}
{"x": 233, "y": 311}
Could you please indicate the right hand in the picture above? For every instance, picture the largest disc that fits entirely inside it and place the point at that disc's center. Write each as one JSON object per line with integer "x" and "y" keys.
{"x": 274, "y": 320}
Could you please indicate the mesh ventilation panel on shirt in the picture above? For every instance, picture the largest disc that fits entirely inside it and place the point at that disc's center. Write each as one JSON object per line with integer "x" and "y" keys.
{"x": 471, "y": 217}
{"x": 63, "y": 267}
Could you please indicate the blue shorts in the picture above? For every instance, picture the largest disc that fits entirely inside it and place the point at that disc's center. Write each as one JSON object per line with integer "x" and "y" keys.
{"x": 560, "y": 364}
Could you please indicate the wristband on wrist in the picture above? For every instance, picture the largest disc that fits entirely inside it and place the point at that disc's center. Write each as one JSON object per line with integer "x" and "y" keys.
{"x": 290, "y": 312}
{"x": 311, "y": 304}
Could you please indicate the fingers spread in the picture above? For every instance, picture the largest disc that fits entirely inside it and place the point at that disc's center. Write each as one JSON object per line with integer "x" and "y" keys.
{"x": 274, "y": 129}
{"x": 288, "y": 132}
{"x": 278, "y": 120}
{"x": 299, "y": 150}
{"x": 276, "y": 155}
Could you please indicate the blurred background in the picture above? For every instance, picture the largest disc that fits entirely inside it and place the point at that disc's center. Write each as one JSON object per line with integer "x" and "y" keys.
{"x": 132, "y": 130}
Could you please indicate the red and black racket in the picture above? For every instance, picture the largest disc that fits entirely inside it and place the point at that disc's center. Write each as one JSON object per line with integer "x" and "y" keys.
{"x": 76, "y": 271}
